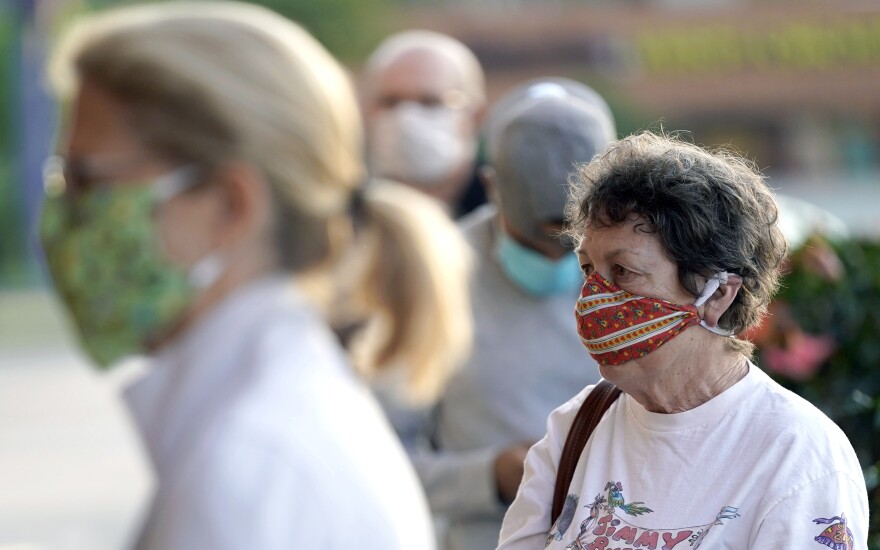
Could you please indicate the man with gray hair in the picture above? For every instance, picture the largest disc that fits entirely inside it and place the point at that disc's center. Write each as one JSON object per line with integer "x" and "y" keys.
{"x": 423, "y": 96}
{"x": 527, "y": 358}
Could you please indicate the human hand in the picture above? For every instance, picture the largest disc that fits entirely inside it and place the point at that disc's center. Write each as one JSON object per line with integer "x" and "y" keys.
{"x": 509, "y": 470}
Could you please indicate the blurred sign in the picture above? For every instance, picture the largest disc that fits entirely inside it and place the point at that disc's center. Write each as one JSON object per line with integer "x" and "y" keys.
{"x": 748, "y": 56}
{"x": 725, "y": 48}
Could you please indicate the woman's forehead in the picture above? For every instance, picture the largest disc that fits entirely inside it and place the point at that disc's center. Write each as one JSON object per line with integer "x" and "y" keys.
{"x": 97, "y": 124}
{"x": 628, "y": 237}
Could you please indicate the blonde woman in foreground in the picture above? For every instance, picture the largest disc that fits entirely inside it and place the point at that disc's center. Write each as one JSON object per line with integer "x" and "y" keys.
{"x": 208, "y": 207}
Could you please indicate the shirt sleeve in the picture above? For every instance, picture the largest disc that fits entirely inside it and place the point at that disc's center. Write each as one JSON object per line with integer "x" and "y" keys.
{"x": 457, "y": 484}
{"x": 827, "y": 511}
{"x": 527, "y": 522}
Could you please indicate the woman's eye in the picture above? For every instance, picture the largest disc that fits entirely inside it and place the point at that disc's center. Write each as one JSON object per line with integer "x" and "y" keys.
{"x": 586, "y": 269}
{"x": 620, "y": 271}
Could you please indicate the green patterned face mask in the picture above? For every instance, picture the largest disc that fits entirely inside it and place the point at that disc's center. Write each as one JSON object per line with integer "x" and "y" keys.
{"x": 108, "y": 265}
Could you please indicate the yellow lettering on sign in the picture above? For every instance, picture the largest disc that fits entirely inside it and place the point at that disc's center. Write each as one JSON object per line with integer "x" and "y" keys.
{"x": 728, "y": 48}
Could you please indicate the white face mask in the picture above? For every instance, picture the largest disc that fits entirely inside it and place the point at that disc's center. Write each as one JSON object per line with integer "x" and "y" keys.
{"x": 419, "y": 145}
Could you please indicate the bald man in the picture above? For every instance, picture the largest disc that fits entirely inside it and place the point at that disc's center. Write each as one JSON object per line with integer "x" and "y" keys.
{"x": 527, "y": 357}
{"x": 424, "y": 95}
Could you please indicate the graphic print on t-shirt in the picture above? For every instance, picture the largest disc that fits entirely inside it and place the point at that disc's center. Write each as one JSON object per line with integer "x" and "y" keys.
{"x": 836, "y": 536}
{"x": 608, "y": 528}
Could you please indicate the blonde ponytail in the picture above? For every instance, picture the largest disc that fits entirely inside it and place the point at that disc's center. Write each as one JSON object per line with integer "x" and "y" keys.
{"x": 416, "y": 284}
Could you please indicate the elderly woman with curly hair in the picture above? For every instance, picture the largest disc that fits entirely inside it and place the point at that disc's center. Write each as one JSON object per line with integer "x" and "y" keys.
{"x": 680, "y": 252}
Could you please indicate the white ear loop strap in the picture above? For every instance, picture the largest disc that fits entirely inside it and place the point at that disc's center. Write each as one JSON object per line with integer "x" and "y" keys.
{"x": 207, "y": 270}
{"x": 174, "y": 183}
{"x": 713, "y": 284}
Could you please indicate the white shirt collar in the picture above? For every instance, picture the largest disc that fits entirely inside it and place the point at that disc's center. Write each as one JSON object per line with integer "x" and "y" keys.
{"x": 707, "y": 413}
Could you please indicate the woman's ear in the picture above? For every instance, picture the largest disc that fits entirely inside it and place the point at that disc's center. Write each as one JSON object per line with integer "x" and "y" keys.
{"x": 721, "y": 300}
{"x": 249, "y": 203}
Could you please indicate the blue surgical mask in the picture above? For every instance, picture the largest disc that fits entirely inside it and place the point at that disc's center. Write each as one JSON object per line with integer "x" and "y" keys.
{"x": 533, "y": 272}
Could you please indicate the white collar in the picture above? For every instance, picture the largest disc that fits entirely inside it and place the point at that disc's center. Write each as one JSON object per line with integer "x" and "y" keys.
{"x": 708, "y": 413}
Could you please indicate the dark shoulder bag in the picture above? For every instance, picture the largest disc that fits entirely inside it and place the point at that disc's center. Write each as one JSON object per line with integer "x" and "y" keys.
{"x": 600, "y": 399}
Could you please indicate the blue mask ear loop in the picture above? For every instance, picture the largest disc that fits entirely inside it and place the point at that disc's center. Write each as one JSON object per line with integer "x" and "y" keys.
{"x": 208, "y": 269}
{"x": 713, "y": 284}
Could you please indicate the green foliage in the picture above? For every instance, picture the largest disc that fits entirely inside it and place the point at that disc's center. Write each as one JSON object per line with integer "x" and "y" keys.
{"x": 348, "y": 28}
{"x": 8, "y": 50}
{"x": 13, "y": 263}
{"x": 847, "y": 386}
{"x": 12, "y": 260}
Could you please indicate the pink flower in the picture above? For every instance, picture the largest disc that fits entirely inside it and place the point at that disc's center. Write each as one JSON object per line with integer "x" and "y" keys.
{"x": 801, "y": 356}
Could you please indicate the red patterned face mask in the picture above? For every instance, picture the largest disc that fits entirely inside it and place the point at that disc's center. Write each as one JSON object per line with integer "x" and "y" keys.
{"x": 616, "y": 326}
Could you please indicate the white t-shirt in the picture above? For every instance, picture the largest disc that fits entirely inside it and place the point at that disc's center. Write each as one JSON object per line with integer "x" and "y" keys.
{"x": 263, "y": 438}
{"x": 757, "y": 467}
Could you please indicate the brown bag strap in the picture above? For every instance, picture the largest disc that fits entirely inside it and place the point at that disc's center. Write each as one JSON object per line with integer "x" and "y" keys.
{"x": 593, "y": 408}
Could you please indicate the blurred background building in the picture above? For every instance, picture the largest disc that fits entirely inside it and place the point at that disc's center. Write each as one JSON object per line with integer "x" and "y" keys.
{"x": 794, "y": 85}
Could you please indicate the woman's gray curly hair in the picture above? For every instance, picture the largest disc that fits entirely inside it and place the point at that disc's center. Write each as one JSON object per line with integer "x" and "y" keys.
{"x": 712, "y": 211}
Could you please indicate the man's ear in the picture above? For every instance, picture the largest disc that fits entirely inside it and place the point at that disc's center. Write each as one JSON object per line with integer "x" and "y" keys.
{"x": 478, "y": 115}
{"x": 487, "y": 176}
{"x": 721, "y": 300}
